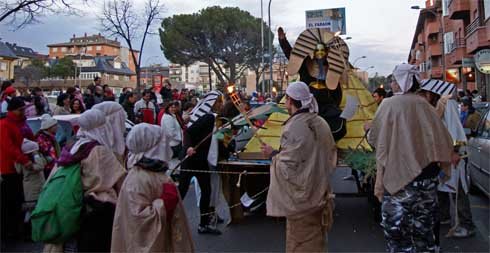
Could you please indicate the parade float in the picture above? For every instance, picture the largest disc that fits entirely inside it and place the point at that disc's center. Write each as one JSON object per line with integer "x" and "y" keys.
{"x": 321, "y": 60}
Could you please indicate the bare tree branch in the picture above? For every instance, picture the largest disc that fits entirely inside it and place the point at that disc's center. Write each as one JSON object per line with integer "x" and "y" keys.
{"x": 120, "y": 19}
{"x": 20, "y": 13}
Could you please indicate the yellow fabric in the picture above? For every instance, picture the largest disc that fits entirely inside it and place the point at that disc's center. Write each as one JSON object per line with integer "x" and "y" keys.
{"x": 355, "y": 126}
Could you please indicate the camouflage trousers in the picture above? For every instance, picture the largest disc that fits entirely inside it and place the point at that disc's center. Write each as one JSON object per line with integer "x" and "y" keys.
{"x": 409, "y": 217}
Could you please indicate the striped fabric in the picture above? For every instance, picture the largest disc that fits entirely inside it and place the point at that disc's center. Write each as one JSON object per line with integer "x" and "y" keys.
{"x": 337, "y": 53}
{"x": 438, "y": 86}
{"x": 204, "y": 106}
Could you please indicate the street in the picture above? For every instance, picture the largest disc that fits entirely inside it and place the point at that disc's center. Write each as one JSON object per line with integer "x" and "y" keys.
{"x": 353, "y": 231}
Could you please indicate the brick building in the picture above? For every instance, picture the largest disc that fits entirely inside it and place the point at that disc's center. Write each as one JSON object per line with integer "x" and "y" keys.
{"x": 465, "y": 28}
{"x": 93, "y": 45}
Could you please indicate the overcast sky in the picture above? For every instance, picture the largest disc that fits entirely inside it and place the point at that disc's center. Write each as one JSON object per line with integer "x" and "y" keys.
{"x": 382, "y": 30}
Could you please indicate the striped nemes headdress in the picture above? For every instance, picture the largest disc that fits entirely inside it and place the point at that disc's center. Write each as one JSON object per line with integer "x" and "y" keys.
{"x": 337, "y": 54}
{"x": 438, "y": 87}
{"x": 204, "y": 106}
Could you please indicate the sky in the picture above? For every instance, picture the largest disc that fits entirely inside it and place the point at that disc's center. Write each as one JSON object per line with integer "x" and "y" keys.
{"x": 381, "y": 30}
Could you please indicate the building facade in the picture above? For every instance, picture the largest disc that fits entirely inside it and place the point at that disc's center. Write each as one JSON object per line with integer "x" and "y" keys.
{"x": 196, "y": 75}
{"x": 94, "y": 45}
{"x": 7, "y": 62}
{"x": 154, "y": 76}
{"x": 448, "y": 35}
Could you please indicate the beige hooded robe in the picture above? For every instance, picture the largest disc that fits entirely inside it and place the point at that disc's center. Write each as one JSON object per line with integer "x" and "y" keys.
{"x": 408, "y": 135}
{"x": 300, "y": 172}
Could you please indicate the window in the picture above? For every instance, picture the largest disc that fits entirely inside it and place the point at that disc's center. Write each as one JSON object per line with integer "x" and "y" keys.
{"x": 55, "y": 49}
{"x": 64, "y": 49}
{"x": 117, "y": 65}
{"x": 3, "y": 66}
{"x": 98, "y": 48}
{"x": 89, "y": 48}
{"x": 448, "y": 42}
{"x": 116, "y": 77}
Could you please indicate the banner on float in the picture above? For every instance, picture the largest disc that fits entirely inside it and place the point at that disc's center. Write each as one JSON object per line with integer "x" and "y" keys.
{"x": 332, "y": 19}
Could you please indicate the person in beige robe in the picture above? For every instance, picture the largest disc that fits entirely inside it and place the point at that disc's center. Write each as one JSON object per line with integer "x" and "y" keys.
{"x": 149, "y": 216}
{"x": 102, "y": 175}
{"x": 412, "y": 146}
{"x": 300, "y": 173}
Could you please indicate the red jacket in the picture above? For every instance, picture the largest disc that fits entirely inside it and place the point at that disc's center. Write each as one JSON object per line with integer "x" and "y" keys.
{"x": 11, "y": 144}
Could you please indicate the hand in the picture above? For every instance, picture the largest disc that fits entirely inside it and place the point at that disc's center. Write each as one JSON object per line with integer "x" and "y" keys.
{"x": 266, "y": 150}
{"x": 455, "y": 158}
{"x": 191, "y": 151}
{"x": 170, "y": 198}
{"x": 280, "y": 33}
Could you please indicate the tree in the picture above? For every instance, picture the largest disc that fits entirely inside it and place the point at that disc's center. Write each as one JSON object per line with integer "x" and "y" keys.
{"x": 64, "y": 68}
{"x": 24, "y": 12}
{"x": 120, "y": 19}
{"x": 226, "y": 38}
{"x": 31, "y": 73}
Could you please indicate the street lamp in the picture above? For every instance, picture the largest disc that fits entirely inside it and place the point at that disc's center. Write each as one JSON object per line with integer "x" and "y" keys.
{"x": 442, "y": 32}
{"x": 357, "y": 59}
{"x": 370, "y": 67}
{"x": 262, "y": 37}
{"x": 270, "y": 46}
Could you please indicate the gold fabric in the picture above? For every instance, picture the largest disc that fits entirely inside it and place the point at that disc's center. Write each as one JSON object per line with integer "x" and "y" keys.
{"x": 407, "y": 135}
{"x": 140, "y": 221}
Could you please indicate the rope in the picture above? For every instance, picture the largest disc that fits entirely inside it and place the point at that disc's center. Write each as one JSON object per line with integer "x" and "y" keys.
{"x": 223, "y": 172}
{"x": 238, "y": 204}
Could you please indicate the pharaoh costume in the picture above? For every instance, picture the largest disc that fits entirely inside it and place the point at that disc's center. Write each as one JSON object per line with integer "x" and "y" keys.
{"x": 300, "y": 188}
{"x": 321, "y": 59}
{"x": 150, "y": 216}
{"x": 412, "y": 146}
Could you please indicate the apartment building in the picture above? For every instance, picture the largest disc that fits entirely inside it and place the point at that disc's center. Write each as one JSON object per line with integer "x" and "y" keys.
{"x": 451, "y": 41}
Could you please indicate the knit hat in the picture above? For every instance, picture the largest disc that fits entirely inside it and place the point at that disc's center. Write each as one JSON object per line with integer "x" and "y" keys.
{"x": 29, "y": 146}
{"x": 15, "y": 103}
{"x": 47, "y": 121}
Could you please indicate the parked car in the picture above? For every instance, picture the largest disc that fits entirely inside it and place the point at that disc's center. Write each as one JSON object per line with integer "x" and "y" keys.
{"x": 479, "y": 152}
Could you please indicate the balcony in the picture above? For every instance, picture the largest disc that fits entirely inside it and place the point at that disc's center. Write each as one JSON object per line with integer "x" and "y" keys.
{"x": 459, "y": 9}
{"x": 458, "y": 52}
{"x": 476, "y": 36}
{"x": 434, "y": 49}
{"x": 432, "y": 28}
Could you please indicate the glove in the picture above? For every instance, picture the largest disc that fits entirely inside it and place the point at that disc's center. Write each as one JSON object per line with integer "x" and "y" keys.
{"x": 170, "y": 199}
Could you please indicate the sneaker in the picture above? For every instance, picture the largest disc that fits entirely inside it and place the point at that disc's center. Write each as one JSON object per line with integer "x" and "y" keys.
{"x": 349, "y": 177}
{"x": 216, "y": 219}
{"x": 461, "y": 232}
{"x": 207, "y": 229}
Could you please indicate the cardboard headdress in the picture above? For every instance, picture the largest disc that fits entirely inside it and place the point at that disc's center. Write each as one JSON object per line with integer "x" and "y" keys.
{"x": 337, "y": 54}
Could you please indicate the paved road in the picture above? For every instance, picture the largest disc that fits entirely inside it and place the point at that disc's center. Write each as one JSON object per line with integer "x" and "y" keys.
{"x": 354, "y": 229}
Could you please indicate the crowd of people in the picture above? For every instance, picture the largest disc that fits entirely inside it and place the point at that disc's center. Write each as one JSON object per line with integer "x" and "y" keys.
{"x": 129, "y": 201}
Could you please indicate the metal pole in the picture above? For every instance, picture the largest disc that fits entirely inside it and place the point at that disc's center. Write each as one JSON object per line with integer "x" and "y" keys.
{"x": 262, "y": 39}
{"x": 270, "y": 46}
{"x": 443, "y": 47}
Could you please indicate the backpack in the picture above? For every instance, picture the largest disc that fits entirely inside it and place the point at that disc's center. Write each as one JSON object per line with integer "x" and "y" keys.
{"x": 56, "y": 217}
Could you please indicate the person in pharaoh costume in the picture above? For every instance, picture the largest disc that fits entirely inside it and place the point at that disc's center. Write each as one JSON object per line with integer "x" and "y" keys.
{"x": 321, "y": 60}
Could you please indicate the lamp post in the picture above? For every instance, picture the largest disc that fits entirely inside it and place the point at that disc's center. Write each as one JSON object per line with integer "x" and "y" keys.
{"x": 357, "y": 59}
{"x": 262, "y": 38}
{"x": 442, "y": 32}
{"x": 270, "y": 47}
{"x": 370, "y": 67}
